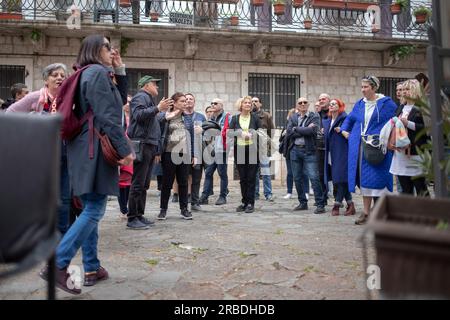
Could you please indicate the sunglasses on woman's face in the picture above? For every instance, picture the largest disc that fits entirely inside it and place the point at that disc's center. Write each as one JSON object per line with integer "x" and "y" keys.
{"x": 107, "y": 45}
{"x": 333, "y": 104}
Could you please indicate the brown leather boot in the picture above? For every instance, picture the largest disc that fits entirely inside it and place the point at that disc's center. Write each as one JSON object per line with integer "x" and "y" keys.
{"x": 350, "y": 209}
{"x": 91, "y": 278}
{"x": 335, "y": 210}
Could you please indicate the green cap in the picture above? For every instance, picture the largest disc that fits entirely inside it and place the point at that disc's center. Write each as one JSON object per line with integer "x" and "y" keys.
{"x": 146, "y": 79}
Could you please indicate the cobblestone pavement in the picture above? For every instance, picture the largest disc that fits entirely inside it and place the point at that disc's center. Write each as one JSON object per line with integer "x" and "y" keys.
{"x": 273, "y": 253}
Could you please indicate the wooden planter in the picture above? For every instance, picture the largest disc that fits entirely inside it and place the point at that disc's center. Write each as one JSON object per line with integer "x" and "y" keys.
{"x": 154, "y": 16}
{"x": 421, "y": 18}
{"x": 297, "y": 3}
{"x": 234, "y": 20}
{"x": 257, "y": 3}
{"x": 10, "y": 16}
{"x": 125, "y": 3}
{"x": 396, "y": 8}
{"x": 307, "y": 23}
{"x": 342, "y": 4}
{"x": 412, "y": 243}
{"x": 278, "y": 8}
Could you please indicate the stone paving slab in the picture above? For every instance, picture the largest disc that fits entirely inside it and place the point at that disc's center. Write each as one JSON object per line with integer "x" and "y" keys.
{"x": 273, "y": 253}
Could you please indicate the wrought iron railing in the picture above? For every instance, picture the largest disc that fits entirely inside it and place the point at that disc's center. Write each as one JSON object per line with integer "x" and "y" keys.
{"x": 330, "y": 17}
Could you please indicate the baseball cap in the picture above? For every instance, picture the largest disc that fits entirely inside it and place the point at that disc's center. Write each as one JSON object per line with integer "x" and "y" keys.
{"x": 146, "y": 79}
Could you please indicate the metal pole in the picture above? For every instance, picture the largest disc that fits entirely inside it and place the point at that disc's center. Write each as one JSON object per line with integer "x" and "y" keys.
{"x": 434, "y": 61}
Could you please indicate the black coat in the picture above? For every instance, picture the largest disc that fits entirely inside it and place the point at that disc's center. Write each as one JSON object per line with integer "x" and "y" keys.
{"x": 235, "y": 130}
{"x": 97, "y": 91}
{"x": 144, "y": 125}
{"x": 308, "y": 133}
{"x": 414, "y": 116}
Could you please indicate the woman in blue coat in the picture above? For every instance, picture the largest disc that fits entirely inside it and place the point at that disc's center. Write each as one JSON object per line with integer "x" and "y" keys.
{"x": 336, "y": 156}
{"x": 367, "y": 118}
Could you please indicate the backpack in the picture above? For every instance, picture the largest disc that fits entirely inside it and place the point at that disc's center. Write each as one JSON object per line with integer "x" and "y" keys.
{"x": 66, "y": 104}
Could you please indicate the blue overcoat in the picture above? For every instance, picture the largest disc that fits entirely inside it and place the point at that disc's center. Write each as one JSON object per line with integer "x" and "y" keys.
{"x": 337, "y": 146}
{"x": 372, "y": 177}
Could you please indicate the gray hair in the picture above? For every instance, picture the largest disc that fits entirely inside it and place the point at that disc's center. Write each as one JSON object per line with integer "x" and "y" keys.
{"x": 52, "y": 67}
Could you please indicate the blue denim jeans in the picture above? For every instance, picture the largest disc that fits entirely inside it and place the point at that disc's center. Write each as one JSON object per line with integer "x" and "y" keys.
{"x": 83, "y": 233}
{"x": 343, "y": 193}
{"x": 304, "y": 162}
{"x": 289, "y": 176}
{"x": 209, "y": 173}
{"x": 65, "y": 196}
{"x": 267, "y": 182}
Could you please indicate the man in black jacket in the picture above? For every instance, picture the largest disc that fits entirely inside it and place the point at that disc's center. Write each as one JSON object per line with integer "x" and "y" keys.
{"x": 144, "y": 126}
{"x": 302, "y": 134}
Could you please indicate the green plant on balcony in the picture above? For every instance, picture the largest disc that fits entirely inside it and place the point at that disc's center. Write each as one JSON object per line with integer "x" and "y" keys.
{"x": 124, "y": 43}
{"x": 278, "y": 7}
{"x": 35, "y": 35}
{"x": 422, "y": 14}
{"x": 12, "y": 5}
{"x": 402, "y": 52}
{"x": 398, "y": 6}
{"x": 307, "y": 22}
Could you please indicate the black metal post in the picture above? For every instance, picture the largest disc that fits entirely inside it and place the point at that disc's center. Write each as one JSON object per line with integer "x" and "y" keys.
{"x": 51, "y": 294}
{"x": 434, "y": 61}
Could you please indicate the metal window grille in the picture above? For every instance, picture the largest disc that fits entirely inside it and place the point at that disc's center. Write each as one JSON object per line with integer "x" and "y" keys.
{"x": 278, "y": 93}
{"x": 135, "y": 74}
{"x": 10, "y": 75}
{"x": 388, "y": 87}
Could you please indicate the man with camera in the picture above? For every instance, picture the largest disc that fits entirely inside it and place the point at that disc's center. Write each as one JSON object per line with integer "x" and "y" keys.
{"x": 219, "y": 158}
{"x": 144, "y": 128}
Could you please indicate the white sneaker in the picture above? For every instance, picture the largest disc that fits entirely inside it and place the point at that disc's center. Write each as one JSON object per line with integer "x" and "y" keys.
{"x": 288, "y": 196}
{"x": 307, "y": 196}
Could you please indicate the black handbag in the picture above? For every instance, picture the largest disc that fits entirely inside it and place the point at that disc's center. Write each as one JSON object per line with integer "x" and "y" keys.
{"x": 372, "y": 150}
{"x": 138, "y": 150}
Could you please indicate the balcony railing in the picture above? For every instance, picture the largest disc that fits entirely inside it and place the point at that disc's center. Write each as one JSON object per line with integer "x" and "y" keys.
{"x": 330, "y": 17}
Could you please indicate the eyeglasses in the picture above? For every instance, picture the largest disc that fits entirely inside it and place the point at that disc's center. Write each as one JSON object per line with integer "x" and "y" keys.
{"x": 107, "y": 45}
{"x": 333, "y": 104}
{"x": 302, "y": 102}
{"x": 214, "y": 103}
{"x": 255, "y": 101}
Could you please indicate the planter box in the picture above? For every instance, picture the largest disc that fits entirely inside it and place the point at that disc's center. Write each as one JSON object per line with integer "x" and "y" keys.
{"x": 342, "y": 4}
{"x": 412, "y": 242}
{"x": 396, "y": 8}
{"x": 10, "y": 16}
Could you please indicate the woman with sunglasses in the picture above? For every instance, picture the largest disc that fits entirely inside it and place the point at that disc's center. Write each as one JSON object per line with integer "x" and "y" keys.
{"x": 365, "y": 121}
{"x": 92, "y": 179}
{"x": 336, "y": 156}
{"x": 405, "y": 163}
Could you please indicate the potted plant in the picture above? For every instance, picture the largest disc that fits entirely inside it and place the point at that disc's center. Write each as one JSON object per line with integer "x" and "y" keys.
{"x": 257, "y": 3}
{"x": 398, "y": 6}
{"x": 234, "y": 19}
{"x": 307, "y": 22}
{"x": 297, "y": 3}
{"x": 422, "y": 14}
{"x": 13, "y": 10}
{"x": 356, "y": 5}
{"x": 278, "y": 7}
{"x": 154, "y": 16}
